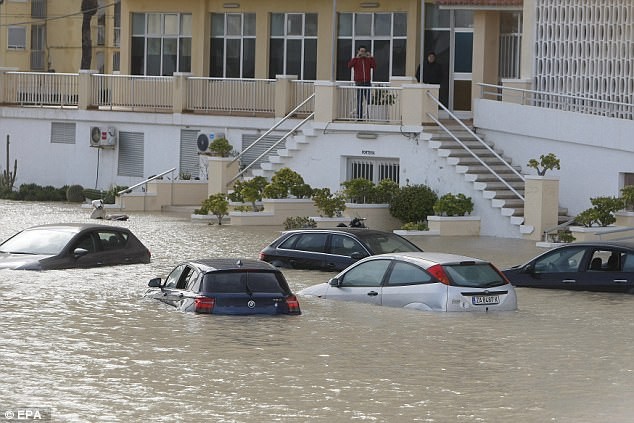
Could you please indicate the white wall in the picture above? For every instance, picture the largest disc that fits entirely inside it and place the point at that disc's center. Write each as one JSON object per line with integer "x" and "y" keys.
{"x": 594, "y": 151}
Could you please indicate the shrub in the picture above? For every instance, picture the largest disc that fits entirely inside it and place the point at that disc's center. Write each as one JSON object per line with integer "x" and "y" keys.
{"x": 249, "y": 191}
{"x": 359, "y": 190}
{"x": 413, "y": 203}
{"x": 221, "y": 147}
{"x": 217, "y": 205}
{"x": 415, "y": 226}
{"x": 75, "y": 194}
{"x": 453, "y": 205}
{"x": 299, "y": 223}
{"x": 627, "y": 195}
{"x": 287, "y": 182}
{"x": 602, "y": 213}
{"x": 384, "y": 191}
{"x": 329, "y": 204}
{"x": 545, "y": 163}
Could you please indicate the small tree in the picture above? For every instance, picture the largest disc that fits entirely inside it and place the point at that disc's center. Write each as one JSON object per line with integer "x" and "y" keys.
{"x": 249, "y": 191}
{"x": 602, "y": 213}
{"x": 217, "y": 205}
{"x": 220, "y": 147}
{"x": 328, "y": 203}
{"x": 413, "y": 203}
{"x": 627, "y": 195}
{"x": 287, "y": 182}
{"x": 359, "y": 190}
{"x": 545, "y": 163}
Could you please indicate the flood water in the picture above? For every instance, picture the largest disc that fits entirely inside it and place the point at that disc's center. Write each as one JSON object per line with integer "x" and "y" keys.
{"x": 88, "y": 345}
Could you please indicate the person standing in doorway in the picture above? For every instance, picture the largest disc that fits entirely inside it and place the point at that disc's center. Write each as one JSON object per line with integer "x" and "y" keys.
{"x": 362, "y": 66}
{"x": 432, "y": 70}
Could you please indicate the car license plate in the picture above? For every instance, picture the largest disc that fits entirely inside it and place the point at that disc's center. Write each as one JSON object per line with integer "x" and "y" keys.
{"x": 485, "y": 299}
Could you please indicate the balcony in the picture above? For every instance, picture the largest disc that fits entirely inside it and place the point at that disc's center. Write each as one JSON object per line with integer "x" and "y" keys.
{"x": 182, "y": 93}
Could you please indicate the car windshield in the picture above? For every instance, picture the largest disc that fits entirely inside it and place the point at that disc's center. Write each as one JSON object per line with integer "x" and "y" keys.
{"x": 242, "y": 282}
{"x": 476, "y": 275}
{"x": 388, "y": 243}
{"x": 41, "y": 241}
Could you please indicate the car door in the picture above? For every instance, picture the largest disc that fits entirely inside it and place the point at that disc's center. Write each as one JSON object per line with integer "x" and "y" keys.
{"x": 343, "y": 251}
{"x": 604, "y": 271}
{"x": 556, "y": 269}
{"x": 308, "y": 251}
{"x": 93, "y": 257}
{"x": 172, "y": 292}
{"x": 408, "y": 285}
{"x": 112, "y": 248}
{"x": 361, "y": 283}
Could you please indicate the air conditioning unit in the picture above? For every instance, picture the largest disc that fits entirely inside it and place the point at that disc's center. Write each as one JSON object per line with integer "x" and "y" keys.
{"x": 103, "y": 137}
{"x": 205, "y": 137}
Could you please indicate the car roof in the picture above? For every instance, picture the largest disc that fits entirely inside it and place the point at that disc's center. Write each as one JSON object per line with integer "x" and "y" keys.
{"x": 74, "y": 227}
{"x": 228, "y": 263}
{"x": 618, "y": 244}
{"x": 356, "y": 231}
{"x": 430, "y": 257}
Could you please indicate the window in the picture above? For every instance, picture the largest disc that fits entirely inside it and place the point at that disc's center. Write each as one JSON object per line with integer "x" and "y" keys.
{"x": 112, "y": 240}
{"x": 560, "y": 260}
{"x": 232, "y": 47}
{"x": 312, "y": 242}
{"x": 161, "y": 43}
{"x": 407, "y": 274}
{"x": 374, "y": 170}
{"x": 293, "y": 45}
{"x": 175, "y": 276}
{"x": 38, "y": 47}
{"x": 383, "y": 34}
{"x": 16, "y": 36}
{"x": 345, "y": 246}
{"x": 63, "y": 132}
{"x": 369, "y": 273}
{"x": 131, "y": 153}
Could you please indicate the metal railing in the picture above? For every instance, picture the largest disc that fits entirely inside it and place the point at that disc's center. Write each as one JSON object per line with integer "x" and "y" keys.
{"x": 301, "y": 91}
{"x": 274, "y": 145}
{"x": 227, "y": 95}
{"x": 550, "y": 100}
{"x": 481, "y": 141}
{"x": 151, "y": 178}
{"x": 133, "y": 92}
{"x": 41, "y": 88}
{"x": 376, "y": 103}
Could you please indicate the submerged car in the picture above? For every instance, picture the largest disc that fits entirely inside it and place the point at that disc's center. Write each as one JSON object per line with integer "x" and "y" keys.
{"x": 226, "y": 286}
{"x": 606, "y": 266}
{"x": 71, "y": 245}
{"x": 422, "y": 281}
{"x": 331, "y": 249}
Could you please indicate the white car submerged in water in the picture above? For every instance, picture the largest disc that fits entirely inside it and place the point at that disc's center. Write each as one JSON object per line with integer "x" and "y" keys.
{"x": 423, "y": 281}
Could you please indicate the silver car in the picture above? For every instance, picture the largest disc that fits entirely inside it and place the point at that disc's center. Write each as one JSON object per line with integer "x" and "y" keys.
{"x": 422, "y": 281}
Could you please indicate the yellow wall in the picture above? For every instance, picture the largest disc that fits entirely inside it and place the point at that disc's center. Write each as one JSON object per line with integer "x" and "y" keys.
{"x": 201, "y": 10}
{"x": 63, "y": 35}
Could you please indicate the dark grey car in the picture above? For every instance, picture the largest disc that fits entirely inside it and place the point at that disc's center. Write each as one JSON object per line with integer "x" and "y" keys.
{"x": 71, "y": 245}
{"x": 331, "y": 249}
{"x": 582, "y": 266}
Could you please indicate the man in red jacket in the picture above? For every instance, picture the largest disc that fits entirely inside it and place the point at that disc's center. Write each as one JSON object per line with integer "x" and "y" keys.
{"x": 362, "y": 66}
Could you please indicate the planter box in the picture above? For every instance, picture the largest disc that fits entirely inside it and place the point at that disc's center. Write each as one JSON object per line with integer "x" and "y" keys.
{"x": 403, "y": 232}
{"x": 455, "y": 225}
{"x": 275, "y": 212}
{"x": 624, "y": 218}
{"x": 596, "y": 233}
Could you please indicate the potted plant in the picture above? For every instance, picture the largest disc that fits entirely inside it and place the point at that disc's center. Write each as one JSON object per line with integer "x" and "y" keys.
{"x": 452, "y": 218}
{"x": 220, "y": 147}
{"x": 545, "y": 163}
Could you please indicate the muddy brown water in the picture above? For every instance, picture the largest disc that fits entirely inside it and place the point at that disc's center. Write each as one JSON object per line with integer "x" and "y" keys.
{"x": 87, "y": 345}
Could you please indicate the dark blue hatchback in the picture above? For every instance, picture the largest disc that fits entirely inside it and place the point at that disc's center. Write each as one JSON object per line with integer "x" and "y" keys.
{"x": 226, "y": 286}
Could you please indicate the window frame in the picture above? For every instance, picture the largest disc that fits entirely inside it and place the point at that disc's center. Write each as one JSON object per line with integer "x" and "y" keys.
{"x": 287, "y": 37}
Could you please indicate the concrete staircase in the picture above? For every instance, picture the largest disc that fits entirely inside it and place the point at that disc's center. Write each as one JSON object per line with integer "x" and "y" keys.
{"x": 277, "y": 158}
{"x": 500, "y": 195}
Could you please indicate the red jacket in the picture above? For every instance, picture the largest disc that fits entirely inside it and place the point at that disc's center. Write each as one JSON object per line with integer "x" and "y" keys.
{"x": 361, "y": 67}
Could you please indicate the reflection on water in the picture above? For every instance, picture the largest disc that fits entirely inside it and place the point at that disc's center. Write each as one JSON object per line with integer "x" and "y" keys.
{"x": 87, "y": 344}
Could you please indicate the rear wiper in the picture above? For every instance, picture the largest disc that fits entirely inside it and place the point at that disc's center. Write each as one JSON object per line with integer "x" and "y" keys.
{"x": 246, "y": 285}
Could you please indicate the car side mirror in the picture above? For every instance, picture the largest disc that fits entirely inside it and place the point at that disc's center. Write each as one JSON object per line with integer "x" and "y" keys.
{"x": 530, "y": 268}
{"x": 79, "y": 252}
{"x": 334, "y": 282}
{"x": 154, "y": 283}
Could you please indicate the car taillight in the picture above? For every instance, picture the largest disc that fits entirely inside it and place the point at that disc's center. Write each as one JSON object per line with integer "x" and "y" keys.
{"x": 204, "y": 304}
{"x": 262, "y": 256}
{"x": 439, "y": 273}
{"x": 293, "y": 304}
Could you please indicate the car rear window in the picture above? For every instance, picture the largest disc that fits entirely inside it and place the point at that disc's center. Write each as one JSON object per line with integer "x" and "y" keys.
{"x": 241, "y": 282}
{"x": 475, "y": 275}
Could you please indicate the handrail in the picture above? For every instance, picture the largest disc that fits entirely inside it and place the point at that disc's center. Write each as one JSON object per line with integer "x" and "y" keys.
{"x": 277, "y": 124}
{"x": 268, "y": 150}
{"x": 520, "y": 196}
{"x": 151, "y": 178}
{"x": 565, "y": 224}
